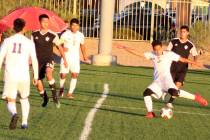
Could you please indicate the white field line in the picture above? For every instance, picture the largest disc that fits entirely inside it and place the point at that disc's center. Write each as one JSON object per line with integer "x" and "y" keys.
{"x": 90, "y": 117}
{"x": 138, "y": 108}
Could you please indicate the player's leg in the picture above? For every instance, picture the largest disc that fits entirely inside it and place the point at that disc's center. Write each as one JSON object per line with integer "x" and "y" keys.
{"x": 72, "y": 85}
{"x": 10, "y": 94}
{"x": 52, "y": 85}
{"x": 152, "y": 91}
{"x": 24, "y": 90}
{"x": 42, "y": 93}
{"x": 63, "y": 74}
{"x": 40, "y": 86}
{"x": 62, "y": 82}
{"x": 184, "y": 94}
{"x": 75, "y": 69}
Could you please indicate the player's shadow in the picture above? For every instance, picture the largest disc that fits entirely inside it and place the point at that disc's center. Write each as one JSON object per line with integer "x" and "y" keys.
{"x": 90, "y": 93}
{"x": 105, "y": 109}
{"x": 122, "y": 112}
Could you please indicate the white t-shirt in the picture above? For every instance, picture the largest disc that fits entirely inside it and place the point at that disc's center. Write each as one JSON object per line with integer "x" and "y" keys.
{"x": 72, "y": 42}
{"x": 17, "y": 50}
{"x": 162, "y": 63}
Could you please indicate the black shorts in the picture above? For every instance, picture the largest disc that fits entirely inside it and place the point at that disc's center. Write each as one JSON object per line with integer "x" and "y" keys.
{"x": 42, "y": 68}
{"x": 178, "y": 72}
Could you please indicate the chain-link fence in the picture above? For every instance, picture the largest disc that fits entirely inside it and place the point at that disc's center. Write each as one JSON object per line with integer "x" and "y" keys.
{"x": 133, "y": 19}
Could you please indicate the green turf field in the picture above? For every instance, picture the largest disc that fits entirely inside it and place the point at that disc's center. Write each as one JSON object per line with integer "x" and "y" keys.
{"x": 121, "y": 116}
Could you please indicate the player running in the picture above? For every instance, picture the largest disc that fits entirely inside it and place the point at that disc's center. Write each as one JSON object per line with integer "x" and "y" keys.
{"x": 183, "y": 47}
{"x": 163, "y": 81}
{"x": 72, "y": 41}
{"x": 44, "y": 40}
{"x": 16, "y": 51}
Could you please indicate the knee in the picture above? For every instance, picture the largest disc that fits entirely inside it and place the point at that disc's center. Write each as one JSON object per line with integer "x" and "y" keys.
{"x": 74, "y": 75}
{"x": 63, "y": 76}
{"x": 173, "y": 92}
{"x": 147, "y": 92}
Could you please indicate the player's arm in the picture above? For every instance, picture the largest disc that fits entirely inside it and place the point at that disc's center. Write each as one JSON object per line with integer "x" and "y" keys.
{"x": 184, "y": 60}
{"x": 3, "y": 52}
{"x": 83, "y": 50}
{"x": 34, "y": 63}
{"x": 58, "y": 44}
{"x": 134, "y": 52}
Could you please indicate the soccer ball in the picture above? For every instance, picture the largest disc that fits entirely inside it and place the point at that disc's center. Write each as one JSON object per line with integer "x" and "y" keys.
{"x": 166, "y": 113}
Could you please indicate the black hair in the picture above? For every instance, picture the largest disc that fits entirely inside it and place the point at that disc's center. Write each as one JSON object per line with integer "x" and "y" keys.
{"x": 156, "y": 42}
{"x": 43, "y": 16}
{"x": 185, "y": 27}
{"x": 74, "y": 20}
{"x": 19, "y": 24}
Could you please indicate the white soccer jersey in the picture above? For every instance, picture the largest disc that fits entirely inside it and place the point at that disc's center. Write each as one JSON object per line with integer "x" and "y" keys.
{"x": 162, "y": 63}
{"x": 72, "y": 42}
{"x": 16, "y": 51}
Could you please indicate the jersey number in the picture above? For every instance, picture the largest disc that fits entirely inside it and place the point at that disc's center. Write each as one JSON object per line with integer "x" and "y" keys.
{"x": 15, "y": 48}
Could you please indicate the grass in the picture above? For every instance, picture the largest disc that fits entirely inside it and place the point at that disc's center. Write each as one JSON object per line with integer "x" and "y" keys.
{"x": 121, "y": 116}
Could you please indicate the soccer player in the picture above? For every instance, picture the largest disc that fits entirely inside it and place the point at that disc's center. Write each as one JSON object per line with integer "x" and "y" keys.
{"x": 44, "y": 40}
{"x": 16, "y": 51}
{"x": 163, "y": 81}
{"x": 72, "y": 41}
{"x": 183, "y": 47}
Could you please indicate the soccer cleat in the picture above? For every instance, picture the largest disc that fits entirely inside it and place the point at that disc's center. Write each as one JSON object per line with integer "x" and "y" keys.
{"x": 61, "y": 92}
{"x": 56, "y": 101}
{"x": 24, "y": 126}
{"x": 150, "y": 115}
{"x": 170, "y": 105}
{"x": 13, "y": 123}
{"x": 46, "y": 100}
{"x": 70, "y": 96}
{"x": 199, "y": 99}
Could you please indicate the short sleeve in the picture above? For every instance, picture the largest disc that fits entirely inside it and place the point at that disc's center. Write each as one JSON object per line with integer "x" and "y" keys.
{"x": 62, "y": 38}
{"x": 148, "y": 55}
{"x": 170, "y": 46}
{"x": 173, "y": 56}
{"x": 56, "y": 40}
{"x": 193, "y": 51}
{"x": 82, "y": 39}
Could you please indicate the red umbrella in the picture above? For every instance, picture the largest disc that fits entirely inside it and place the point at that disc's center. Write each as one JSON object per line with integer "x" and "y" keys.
{"x": 31, "y": 16}
{"x": 3, "y": 28}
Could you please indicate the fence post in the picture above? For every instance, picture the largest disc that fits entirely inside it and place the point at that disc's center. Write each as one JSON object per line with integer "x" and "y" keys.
{"x": 75, "y": 8}
{"x": 152, "y": 21}
{"x": 104, "y": 58}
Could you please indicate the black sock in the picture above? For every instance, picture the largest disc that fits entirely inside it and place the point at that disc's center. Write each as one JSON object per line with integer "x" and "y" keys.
{"x": 171, "y": 100}
{"x": 44, "y": 95}
{"x": 53, "y": 89}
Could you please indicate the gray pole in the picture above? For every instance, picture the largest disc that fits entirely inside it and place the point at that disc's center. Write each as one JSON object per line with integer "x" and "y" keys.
{"x": 104, "y": 58}
{"x": 152, "y": 21}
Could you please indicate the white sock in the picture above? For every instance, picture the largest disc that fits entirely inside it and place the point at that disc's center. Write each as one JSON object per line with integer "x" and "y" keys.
{"x": 187, "y": 95}
{"x": 12, "y": 108}
{"x": 73, "y": 84}
{"x": 25, "y": 106}
{"x": 51, "y": 82}
{"x": 148, "y": 103}
{"x": 62, "y": 81}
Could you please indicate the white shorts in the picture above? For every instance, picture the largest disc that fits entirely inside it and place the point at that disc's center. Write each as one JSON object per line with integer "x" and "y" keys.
{"x": 160, "y": 86}
{"x": 12, "y": 88}
{"x": 73, "y": 66}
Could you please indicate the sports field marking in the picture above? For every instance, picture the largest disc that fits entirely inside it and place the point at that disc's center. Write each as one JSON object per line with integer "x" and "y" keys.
{"x": 138, "y": 108}
{"x": 90, "y": 117}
